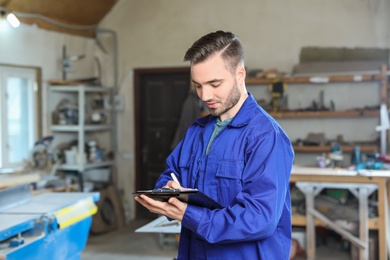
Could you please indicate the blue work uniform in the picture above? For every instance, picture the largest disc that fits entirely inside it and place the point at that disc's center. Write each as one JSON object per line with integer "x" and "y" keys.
{"x": 247, "y": 170}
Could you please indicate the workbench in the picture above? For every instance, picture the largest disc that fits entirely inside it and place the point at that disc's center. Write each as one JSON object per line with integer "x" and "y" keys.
{"x": 361, "y": 183}
{"x": 47, "y": 226}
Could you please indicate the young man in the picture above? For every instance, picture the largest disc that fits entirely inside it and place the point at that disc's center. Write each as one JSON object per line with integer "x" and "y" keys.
{"x": 238, "y": 155}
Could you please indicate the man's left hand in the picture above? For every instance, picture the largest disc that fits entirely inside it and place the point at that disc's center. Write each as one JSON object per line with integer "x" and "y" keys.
{"x": 173, "y": 209}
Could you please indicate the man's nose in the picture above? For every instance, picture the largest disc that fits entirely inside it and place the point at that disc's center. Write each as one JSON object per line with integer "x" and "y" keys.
{"x": 206, "y": 93}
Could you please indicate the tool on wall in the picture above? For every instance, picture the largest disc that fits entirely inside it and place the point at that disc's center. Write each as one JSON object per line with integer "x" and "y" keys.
{"x": 336, "y": 155}
{"x": 371, "y": 161}
{"x": 67, "y": 62}
{"x": 277, "y": 89}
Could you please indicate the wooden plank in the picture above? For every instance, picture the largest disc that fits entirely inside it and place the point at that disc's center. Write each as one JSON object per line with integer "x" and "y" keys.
{"x": 384, "y": 86}
{"x": 300, "y": 221}
{"x": 325, "y": 148}
{"x": 10, "y": 180}
{"x": 382, "y": 193}
{"x": 319, "y": 79}
{"x": 387, "y": 222}
{"x": 325, "y": 114}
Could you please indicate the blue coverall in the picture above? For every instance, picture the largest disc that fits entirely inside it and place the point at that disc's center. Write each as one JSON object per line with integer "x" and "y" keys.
{"x": 247, "y": 171}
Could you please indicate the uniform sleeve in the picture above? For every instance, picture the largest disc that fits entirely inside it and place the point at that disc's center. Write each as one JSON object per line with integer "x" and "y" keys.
{"x": 257, "y": 209}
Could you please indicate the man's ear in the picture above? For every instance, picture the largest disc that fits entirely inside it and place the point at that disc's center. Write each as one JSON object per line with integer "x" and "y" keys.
{"x": 241, "y": 75}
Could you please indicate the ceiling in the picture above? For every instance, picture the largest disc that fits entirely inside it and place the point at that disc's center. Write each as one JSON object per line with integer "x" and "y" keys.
{"x": 69, "y": 12}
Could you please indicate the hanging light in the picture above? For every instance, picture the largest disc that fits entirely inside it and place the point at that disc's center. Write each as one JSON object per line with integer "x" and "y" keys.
{"x": 11, "y": 18}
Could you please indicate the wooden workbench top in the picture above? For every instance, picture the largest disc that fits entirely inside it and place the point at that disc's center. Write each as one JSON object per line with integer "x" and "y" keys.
{"x": 9, "y": 180}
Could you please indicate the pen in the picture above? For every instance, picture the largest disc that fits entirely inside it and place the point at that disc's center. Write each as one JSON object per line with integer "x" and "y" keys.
{"x": 174, "y": 178}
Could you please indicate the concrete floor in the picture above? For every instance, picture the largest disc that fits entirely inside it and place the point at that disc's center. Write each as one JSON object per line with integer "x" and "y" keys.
{"x": 125, "y": 244}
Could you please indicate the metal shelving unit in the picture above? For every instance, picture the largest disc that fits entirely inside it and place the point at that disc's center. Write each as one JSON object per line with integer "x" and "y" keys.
{"x": 82, "y": 129}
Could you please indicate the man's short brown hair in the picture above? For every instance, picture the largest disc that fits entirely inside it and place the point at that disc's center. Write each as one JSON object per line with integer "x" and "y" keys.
{"x": 225, "y": 43}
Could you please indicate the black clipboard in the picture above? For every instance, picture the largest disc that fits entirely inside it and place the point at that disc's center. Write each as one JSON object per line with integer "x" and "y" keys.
{"x": 190, "y": 196}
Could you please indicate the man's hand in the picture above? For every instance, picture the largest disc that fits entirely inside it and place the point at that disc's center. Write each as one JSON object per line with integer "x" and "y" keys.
{"x": 173, "y": 185}
{"x": 174, "y": 208}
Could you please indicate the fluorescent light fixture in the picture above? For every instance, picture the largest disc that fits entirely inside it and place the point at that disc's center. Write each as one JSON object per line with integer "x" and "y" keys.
{"x": 13, "y": 20}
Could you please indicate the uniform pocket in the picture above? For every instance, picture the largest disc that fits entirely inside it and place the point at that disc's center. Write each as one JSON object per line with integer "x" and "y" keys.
{"x": 186, "y": 167}
{"x": 229, "y": 178}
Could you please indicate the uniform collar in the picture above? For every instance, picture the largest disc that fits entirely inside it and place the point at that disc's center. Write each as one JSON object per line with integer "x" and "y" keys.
{"x": 243, "y": 117}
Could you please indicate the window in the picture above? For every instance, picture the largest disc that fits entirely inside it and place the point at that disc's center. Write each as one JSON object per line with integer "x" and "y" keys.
{"x": 19, "y": 110}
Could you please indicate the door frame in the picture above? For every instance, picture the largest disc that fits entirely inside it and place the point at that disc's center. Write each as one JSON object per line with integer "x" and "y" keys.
{"x": 138, "y": 73}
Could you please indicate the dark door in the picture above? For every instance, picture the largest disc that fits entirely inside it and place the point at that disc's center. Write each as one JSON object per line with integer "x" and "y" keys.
{"x": 159, "y": 97}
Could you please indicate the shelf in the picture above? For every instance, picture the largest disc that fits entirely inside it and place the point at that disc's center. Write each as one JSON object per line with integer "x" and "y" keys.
{"x": 80, "y": 95}
{"x": 300, "y": 220}
{"x": 326, "y": 149}
{"x": 76, "y": 167}
{"x": 325, "y": 114}
{"x": 319, "y": 79}
{"x": 56, "y": 88}
{"x": 76, "y": 128}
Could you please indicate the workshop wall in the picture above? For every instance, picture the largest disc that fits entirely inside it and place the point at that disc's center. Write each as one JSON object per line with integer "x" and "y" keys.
{"x": 157, "y": 34}
{"x": 30, "y": 46}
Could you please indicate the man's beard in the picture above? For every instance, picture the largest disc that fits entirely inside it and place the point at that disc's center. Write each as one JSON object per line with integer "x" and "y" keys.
{"x": 232, "y": 99}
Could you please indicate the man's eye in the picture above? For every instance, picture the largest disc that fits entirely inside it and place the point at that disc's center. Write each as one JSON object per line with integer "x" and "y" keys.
{"x": 197, "y": 86}
{"x": 215, "y": 85}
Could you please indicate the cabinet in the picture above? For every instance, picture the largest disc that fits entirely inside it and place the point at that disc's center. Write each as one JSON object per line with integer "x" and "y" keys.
{"x": 357, "y": 101}
{"x": 81, "y": 127}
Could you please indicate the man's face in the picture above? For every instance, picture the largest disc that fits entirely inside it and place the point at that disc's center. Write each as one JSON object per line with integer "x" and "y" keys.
{"x": 217, "y": 87}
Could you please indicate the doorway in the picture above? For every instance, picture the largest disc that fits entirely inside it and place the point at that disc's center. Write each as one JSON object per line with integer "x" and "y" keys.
{"x": 159, "y": 95}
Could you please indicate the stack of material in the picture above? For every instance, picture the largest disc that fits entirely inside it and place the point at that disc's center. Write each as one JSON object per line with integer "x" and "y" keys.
{"x": 322, "y": 61}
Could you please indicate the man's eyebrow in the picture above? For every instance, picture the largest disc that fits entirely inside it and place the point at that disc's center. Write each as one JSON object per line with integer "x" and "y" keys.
{"x": 209, "y": 82}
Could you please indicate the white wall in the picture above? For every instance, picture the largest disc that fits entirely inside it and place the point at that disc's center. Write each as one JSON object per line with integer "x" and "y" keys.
{"x": 156, "y": 33}
{"x": 31, "y": 46}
